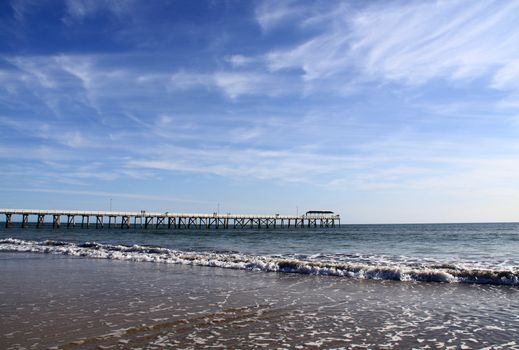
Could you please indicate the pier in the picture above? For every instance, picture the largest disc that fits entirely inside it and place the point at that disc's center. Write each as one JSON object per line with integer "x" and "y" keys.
{"x": 144, "y": 219}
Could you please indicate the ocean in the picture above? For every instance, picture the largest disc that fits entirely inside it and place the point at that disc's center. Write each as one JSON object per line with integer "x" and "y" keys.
{"x": 366, "y": 286}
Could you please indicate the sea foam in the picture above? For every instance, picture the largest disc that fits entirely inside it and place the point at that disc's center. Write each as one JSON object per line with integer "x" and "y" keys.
{"x": 375, "y": 270}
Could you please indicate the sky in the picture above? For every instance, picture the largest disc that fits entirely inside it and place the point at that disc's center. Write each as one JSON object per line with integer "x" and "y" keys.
{"x": 382, "y": 111}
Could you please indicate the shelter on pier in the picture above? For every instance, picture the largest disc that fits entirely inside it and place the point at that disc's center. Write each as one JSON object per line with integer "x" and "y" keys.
{"x": 319, "y": 212}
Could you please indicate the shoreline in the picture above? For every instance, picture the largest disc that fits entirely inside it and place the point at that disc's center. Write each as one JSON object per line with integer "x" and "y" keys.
{"x": 78, "y": 303}
{"x": 443, "y": 272}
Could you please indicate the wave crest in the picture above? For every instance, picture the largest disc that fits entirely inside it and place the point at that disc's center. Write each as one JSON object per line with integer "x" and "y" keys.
{"x": 424, "y": 273}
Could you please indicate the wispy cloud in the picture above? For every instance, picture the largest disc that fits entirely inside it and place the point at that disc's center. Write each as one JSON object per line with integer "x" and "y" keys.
{"x": 236, "y": 84}
{"x": 21, "y": 8}
{"x": 271, "y": 14}
{"x": 233, "y": 84}
{"x": 106, "y": 194}
{"x": 189, "y": 80}
{"x": 240, "y": 60}
{"x": 507, "y": 77}
{"x": 77, "y": 10}
{"x": 46, "y": 131}
{"x": 411, "y": 43}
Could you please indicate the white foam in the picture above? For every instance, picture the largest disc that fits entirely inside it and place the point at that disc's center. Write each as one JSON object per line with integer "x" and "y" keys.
{"x": 365, "y": 270}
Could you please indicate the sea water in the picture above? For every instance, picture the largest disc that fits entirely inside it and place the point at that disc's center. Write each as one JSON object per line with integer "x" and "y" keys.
{"x": 454, "y": 253}
{"x": 445, "y": 286}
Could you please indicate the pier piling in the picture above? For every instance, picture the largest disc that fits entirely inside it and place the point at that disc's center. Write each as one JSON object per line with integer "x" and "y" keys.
{"x": 8, "y": 219}
{"x": 125, "y": 222}
{"x": 56, "y": 220}
{"x": 99, "y": 221}
{"x": 71, "y": 220}
{"x": 25, "y": 220}
{"x": 41, "y": 220}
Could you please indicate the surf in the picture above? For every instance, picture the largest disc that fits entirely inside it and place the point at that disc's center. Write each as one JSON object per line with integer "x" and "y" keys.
{"x": 375, "y": 270}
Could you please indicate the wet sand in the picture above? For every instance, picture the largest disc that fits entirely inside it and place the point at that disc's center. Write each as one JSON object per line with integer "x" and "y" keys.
{"x": 52, "y": 301}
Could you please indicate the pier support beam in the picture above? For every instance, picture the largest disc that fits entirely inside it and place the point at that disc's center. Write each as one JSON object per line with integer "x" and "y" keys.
{"x": 125, "y": 222}
{"x": 110, "y": 217}
{"x": 83, "y": 217}
{"x": 99, "y": 221}
{"x": 8, "y": 219}
{"x": 71, "y": 221}
{"x": 191, "y": 221}
{"x": 148, "y": 221}
{"x": 41, "y": 220}
{"x": 56, "y": 221}
{"x": 25, "y": 220}
{"x": 159, "y": 221}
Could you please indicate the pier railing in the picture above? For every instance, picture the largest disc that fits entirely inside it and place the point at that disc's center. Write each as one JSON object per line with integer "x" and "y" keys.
{"x": 144, "y": 219}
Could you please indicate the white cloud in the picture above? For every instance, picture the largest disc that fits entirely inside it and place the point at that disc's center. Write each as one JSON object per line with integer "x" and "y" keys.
{"x": 72, "y": 139}
{"x": 240, "y": 134}
{"x": 412, "y": 166}
{"x": 39, "y": 69}
{"x": 165, "y": 125}
{"x": 21, "y": 8}
{"x": 107, "y": 194}
{"x": 411, "y": 43}
{"x": 286, "y": 165}
{"x": 271, "y": 13}
{"x": 77, "y": 10}
{"x": 454, "y": 40}
{"x": 80, "y": 67}
{"x": 189, "y": 80}
{"x": 239, "y": 60}
{"x": 44, "y": 131}
{"x": 507, "y": 78}
{"x": 232, "y": 83}
{"x": 86, "y": 79}
{"x": 235, "y": 84}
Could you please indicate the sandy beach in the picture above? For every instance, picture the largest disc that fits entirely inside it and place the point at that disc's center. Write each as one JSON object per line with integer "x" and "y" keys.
{"x": 52, "y": 301}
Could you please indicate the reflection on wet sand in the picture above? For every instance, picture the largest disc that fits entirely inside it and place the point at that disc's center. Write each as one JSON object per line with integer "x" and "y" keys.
{"x": 74, "y": 303}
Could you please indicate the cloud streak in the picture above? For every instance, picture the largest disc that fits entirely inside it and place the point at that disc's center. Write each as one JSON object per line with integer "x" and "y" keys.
{"x": 106, "y": 194}
{"x": 412, "y": 43}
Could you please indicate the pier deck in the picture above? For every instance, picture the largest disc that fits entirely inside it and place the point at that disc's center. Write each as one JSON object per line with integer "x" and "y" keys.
{"x": 143, "y": 219}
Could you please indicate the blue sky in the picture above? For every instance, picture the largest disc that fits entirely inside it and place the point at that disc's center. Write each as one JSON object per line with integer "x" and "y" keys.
{"x": 384, "y": 111}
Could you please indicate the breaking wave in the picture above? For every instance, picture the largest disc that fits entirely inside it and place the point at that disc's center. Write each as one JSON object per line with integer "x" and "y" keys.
{"x": 399, "y": 272}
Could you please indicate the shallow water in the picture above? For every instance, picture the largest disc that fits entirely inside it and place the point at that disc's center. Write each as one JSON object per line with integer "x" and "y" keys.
{"x": 82, "y": 303}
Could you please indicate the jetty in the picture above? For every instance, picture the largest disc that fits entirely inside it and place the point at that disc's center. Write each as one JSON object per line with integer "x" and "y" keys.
{"x": 144, "y": 219}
